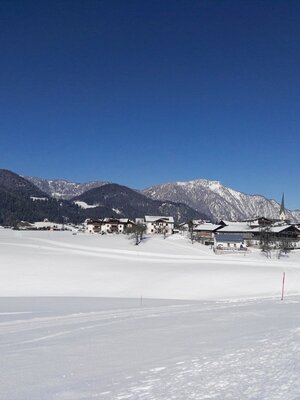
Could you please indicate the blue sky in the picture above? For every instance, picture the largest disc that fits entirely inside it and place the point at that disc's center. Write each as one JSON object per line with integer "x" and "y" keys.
{"x": 146, "y": 92}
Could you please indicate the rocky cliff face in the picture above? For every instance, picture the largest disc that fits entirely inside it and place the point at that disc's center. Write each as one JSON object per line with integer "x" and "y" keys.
{"x": 219, "y": 201}
{"x": 63, "y": 189}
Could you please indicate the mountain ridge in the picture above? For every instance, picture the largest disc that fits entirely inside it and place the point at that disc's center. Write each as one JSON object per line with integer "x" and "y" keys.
{"x": 209, "y": 197}
{"x": 127, "y": 202}
{"x": 220, "y": 201}
{"x": 21, "y": 200}
{"x": 62, "y": 188}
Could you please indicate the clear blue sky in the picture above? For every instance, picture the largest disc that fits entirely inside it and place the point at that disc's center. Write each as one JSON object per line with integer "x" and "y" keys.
{"x": 146, "y": 92}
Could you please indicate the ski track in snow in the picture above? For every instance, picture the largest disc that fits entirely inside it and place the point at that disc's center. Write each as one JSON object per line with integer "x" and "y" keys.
{"x": 238, "y": 349}
{"x": 239, "y": 374}
{"x": 265, "y": 370}
{"x": 78, "y": 322}
{"x": 82, "y": 321}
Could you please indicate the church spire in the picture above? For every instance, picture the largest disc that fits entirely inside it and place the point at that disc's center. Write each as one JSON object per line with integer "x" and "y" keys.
{"x": 282, "y": 215}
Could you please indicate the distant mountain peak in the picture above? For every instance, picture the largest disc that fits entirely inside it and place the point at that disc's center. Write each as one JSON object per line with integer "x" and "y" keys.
{"x": 62, "y": 188}
{"x": 217, "y": 200}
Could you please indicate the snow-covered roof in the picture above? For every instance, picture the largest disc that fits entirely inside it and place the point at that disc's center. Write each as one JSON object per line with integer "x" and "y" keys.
{"x": 237, "y": 227}
{"x": 276, "y": 229}
{"x": 126, "y": 221}
{"x": 206, "y": 227}
{"x": 235, "y": 223}
{"x": 151, "y": 218}
{"x": 118, "y": 220}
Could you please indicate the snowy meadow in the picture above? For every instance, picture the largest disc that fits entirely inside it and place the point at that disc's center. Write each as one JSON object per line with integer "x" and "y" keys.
{"x": 95, "y": 317}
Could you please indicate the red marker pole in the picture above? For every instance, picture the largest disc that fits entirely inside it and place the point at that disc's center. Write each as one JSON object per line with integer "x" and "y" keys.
{"x": 282, "y": 291}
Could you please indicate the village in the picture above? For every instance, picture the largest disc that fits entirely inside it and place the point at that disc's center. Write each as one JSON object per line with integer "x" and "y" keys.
{"x": 223, "y": 237}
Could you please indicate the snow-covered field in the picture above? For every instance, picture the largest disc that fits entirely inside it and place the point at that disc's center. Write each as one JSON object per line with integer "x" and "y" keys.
{"x": 95, "y": 317}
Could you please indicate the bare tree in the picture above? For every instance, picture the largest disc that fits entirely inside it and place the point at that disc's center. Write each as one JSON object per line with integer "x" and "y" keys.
{"x": 191, "y": 231}
{"x": 138, "y": 232}
{"x": 266, "y": 241}
{"x": 284, "y": 246}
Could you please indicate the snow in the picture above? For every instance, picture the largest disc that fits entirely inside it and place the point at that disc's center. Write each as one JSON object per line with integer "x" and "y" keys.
{"x": 206, "y": 227}
{"x": 96, "y": 317}
{"x": 84, "y": 348}
{"x": 60, "y": 264}
{"x": 84, "y": 205}
{"x": 38, "y": 198}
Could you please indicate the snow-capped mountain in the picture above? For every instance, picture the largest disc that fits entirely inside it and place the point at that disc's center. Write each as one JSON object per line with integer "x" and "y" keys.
{"x": 207, "y": 197}
{"x": 63, "y": 189}
{"x": 221, "y": 202}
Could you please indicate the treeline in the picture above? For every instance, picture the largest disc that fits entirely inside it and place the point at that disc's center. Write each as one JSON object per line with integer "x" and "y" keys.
{"x": 14, "y": 208}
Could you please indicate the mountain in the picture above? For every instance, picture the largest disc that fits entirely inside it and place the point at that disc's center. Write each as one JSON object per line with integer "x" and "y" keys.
{"x": 22, "y": 200}
{"x": 122, "y": 201}
{"x": 61, "y": 188}
{"x": 34, "y": 199}
{"x": 221, "y": 202}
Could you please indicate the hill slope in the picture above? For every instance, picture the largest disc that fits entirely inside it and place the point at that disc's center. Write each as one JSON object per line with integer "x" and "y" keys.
{"x": 21, "y": 200}
{"x": 123, "y": 201}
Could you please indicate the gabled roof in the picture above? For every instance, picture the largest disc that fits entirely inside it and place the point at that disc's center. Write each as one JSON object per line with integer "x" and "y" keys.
{"x": 227, "y": 223}
{"x": 126, "y": 221}
{"x": 206, "y": 227}
{"x": 151, "y": 218}
{"x": 257, "y": 219}
{"x": 110, "y": 220}
{"x": 237, "y": 227}
{"x": 278, "y": 229}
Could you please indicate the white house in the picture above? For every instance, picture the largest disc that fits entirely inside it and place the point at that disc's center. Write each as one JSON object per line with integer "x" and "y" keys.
{"x": 159, "y": 224}
{"x": 93, "y": 225}
{"x": 115, "y": 225}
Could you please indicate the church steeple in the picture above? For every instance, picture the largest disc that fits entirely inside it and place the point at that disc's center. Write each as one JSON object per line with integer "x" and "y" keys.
{"x": 282, "y": 215}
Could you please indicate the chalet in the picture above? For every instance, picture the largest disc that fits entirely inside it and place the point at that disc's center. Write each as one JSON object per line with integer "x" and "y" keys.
{"x": 289, "y": 233}
{"x": 228, "y": 241}
{"x": 233, "y": 236}
{"x": 93, "y": 225}
{"x": 204, "y": 233}
{"x": 241, "y": 228}
{"x": 109, "y": 225}
{"x": 286, "y": 231}
{"x": 115, "y": 225}
{"x": 258, "y": 222}
{"x": 159, "y": 224}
